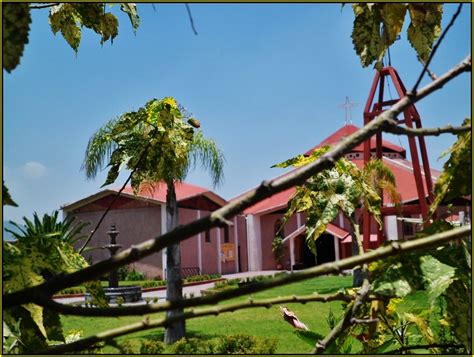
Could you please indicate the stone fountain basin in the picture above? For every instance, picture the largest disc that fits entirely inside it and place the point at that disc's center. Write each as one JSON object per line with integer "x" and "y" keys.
{"x": 130, "y": 293}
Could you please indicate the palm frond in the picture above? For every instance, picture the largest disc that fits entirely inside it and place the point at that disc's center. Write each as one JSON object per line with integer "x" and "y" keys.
{"x": 48, "y": 226}
{"x": 205, "y": 152}
{"x": 99, "y": 149}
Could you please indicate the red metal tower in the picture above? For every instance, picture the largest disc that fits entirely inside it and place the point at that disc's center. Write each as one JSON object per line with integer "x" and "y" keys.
{"x": 411, "y": 118}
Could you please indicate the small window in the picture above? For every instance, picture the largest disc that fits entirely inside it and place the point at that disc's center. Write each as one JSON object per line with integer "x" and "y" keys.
{"x": 207, "y": 237}
{"x": 408, "y": 229}
{"x": 226, "y": 235}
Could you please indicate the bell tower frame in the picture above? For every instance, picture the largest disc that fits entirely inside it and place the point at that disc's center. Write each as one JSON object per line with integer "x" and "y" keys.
{"x": 417, "y": 146}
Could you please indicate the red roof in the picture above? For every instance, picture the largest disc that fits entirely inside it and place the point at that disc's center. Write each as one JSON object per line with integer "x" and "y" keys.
{"x": 336, "y": 231}
{"x": 345, "y": 131}
{"x": 404, "y": 178}
{"x": 401, "y": 168}
{"x": 158, "y": 192}
{"x": 184, "y": 193}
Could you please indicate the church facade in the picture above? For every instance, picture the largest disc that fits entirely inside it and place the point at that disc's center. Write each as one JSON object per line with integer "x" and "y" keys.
{"x": 247, "y": 244}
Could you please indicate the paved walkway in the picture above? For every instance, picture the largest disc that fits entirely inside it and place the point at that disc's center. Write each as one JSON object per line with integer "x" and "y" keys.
{"x": 194, "y": 290}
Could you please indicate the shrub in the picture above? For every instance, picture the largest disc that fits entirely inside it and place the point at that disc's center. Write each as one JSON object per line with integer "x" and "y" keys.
{"x": 151, "y": 347}
{"x": 122, "y": 272}
{"x": 246, "y": 344}
{"x": 134, "y": 276}
{"x": 126, "y": 348}
{"x": 193, "y": 346}
{"x": 232, "y": 344}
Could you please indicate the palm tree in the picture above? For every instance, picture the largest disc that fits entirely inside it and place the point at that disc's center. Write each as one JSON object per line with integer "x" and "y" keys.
{"x": 157, "y": 145}
{"x": 67, "y": 230}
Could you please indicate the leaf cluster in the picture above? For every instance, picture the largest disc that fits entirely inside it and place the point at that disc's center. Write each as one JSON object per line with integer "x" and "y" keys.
{"x": 68, "y": 18}
{"x": 155, "y": 142}
{"x": 378, "y": 25}
{"x": 43, "y": 249}
{"x": 455, "y": 180}
{"x": 342, "y": 188}
{"x": 16, "y": 21}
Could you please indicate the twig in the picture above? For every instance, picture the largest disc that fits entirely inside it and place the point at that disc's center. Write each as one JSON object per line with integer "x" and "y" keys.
{"x": 363, "y": 321}
{"x": 44, "y": 6}
{"x": 399, "y": 130}
{"x": 415, "y": 347}
{"x": 265, "y": 190}
{"x": 142, "y": 155}
{"x": 435, "y": 47}
{"x": 67, "y": 309}
{"x": 432, "y": 75}
{"x": 191, "y": 18}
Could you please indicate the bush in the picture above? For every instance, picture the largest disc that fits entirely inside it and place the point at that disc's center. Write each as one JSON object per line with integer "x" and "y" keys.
{"x": 152, "y": 347}
{"x": 134, "y": 276}
{"x": 126, "y": 348}
{"x": 246, "y": 344}
{"x": 204, "y": 277}
{"x": 232, "y": 344}
{"x": 193, "y": 346}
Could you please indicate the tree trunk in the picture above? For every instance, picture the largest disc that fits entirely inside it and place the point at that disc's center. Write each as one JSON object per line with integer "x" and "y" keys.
{"x": 174, "y": 283}
{"x": 357, "y": 274}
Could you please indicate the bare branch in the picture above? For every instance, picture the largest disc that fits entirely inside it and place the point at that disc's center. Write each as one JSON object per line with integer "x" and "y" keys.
{"x": 432, "y": 75}
{"x": 400, "y": 130}
{"x": 44, "y": 6}
{"x": 265, "y": 190}
{"x": 191, "y": 19}
{"x": 435, "y": 47}
{"x": 363, "y": 321}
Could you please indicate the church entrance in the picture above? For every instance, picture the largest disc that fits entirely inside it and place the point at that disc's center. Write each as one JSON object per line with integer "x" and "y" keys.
{"x": 325, "y": 249}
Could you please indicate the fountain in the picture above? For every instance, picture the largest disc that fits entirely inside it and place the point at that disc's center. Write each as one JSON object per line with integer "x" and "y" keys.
{"x": 114, "y": 292}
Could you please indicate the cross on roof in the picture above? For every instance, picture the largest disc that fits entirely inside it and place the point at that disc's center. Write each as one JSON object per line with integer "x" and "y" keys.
{"x": 347, "y": 106}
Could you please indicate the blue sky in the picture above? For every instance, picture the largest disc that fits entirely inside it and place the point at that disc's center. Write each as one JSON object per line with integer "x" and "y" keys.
{"x": 265, "y": 80}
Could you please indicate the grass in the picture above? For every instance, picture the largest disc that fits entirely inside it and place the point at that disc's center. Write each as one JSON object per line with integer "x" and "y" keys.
{"x": 257, "y": 321}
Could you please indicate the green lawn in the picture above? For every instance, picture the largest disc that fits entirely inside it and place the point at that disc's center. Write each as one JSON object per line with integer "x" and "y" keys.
{"x": 257, "y": 321}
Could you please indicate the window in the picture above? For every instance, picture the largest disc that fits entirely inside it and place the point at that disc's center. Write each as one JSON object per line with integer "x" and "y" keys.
{"x": 226, "y": 235}
{"x": 207, "y": 237}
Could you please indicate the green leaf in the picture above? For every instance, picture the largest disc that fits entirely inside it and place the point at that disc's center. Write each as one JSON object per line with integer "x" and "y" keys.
{"x": 52, "y": 325}
{"x": 6, "y": 198}
{"x": 455, "y": 180}
{"x": 37, "y": 316}
{"x": 309, "y": 337}
{"x": 131, "y": 10}
{"x": 437, "y": 276}
{"x": 16, "y": 21}
{"x": 366, "y": 33}
{"x": 108, "y": 28}
{"x": 459, "y": 313}
{"x": 62, "y": 18}
{"x": 425, "y": 27}
{"x": 393, "y": 16}
{"x": 112, "y": 175}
